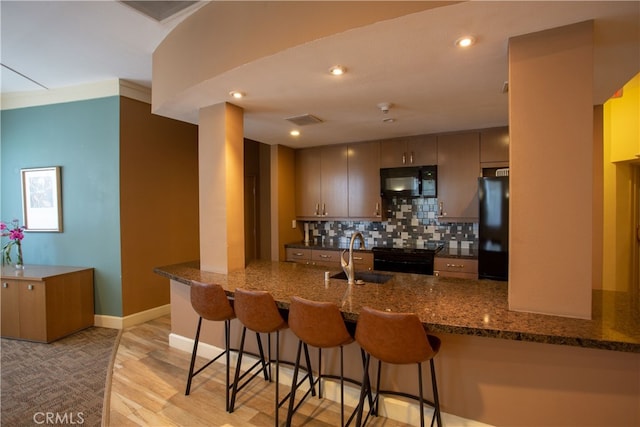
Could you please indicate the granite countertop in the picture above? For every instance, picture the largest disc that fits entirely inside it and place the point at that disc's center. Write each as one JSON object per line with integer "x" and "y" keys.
{"x": 38, "y": 272}
{"x": 446, "y": 305}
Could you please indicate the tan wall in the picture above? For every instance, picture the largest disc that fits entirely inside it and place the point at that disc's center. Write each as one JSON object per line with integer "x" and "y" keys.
{"x": 551, "y": 152}
{"x": 499, "y": 382}
{"x": 158, "y": 172}
{"x": 221, "y": 185}
{"x": 283, "y": 206}
{"x": 598, "y": 197}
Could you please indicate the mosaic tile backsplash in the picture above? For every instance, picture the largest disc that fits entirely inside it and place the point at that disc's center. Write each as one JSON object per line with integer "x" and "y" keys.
{"x": 411, "y": 223}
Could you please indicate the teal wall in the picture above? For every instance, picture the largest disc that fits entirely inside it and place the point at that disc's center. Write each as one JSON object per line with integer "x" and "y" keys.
{"x": 83, "y": 138}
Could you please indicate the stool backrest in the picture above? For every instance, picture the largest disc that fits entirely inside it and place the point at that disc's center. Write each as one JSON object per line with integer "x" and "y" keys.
{"x": 257, "y": 310}
{"x": 319, "y": 324}
{"x": 397, "y": 338}
{"x": 211, "y": 302}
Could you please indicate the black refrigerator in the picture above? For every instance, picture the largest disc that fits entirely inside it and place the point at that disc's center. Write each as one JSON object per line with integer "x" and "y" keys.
{"x": 493, "y": 239}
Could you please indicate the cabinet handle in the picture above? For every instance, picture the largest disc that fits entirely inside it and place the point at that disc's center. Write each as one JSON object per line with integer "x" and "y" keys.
{"x": 298, "y": 254}
{"x": 455, "y": 265}
{"x": 30, "y": 287}
{"x": 325, "y": 256}
{"x": 404, "y": 158}
{"x": 5, "y": 285}
{"x": 317, "y": 209}
{"x": 411, "y": 158}
{"x": 324, "y": 209}
{"x": 377, "y": 211}
{"x": 357, "y": 258}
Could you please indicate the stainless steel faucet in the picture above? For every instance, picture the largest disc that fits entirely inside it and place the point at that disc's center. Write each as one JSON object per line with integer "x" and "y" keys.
{"x": 348, "y": 267}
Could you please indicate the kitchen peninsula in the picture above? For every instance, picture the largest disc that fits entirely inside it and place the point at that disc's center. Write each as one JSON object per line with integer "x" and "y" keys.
{"x": 446, "y": 305}
{"x": 496, "y": 366}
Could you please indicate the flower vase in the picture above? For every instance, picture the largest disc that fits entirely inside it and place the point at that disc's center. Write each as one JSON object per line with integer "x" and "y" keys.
{"x": 20, "y": 264}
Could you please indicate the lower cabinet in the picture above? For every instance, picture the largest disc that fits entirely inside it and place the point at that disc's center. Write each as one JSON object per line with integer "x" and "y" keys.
{"x": 329, "y": 257}
{"x": 462, "y": 268}
{"x": 37, "y": 307}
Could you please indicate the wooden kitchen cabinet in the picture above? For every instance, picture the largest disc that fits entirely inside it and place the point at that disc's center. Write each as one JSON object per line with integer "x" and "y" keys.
{"x": 44, "y": 303}
{"x": 362, "y": 260}
{"x": 458, "y": 172}
{"x": 329, "y": 258}
{"x": 302, "y": 256}
{"x": 419, "y": 150}
{"x": 322, "y": 182}
{"x": 364, "y": 180}
{"x": 494, "y": 147}
{"x": 462, "y": 268}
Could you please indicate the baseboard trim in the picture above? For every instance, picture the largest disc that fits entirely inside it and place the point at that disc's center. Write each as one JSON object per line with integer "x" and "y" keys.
{"x": 395, "y": 408}
{"x": 115, "y": 322}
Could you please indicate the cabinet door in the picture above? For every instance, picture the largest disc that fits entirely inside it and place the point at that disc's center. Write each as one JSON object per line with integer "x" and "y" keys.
{"x": 32, "y": 309}
{"x": 10, "y": 316}
{"x": 494, "y": 145}
{"x": 308, "y": 195}
{"x": 422, "y": 150}
{"x": 393, "y": 153}
{"x": 302, "y": 256}
{"x": 458, "y": 172}
{"x": 327, "y": 258}
{"x": 364, "y": 180}
{"x": 411, "y": 151}
{"x": 334, "y": 182}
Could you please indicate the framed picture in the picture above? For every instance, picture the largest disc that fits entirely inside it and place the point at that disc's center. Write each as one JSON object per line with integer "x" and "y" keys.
{"x": 41, "y": 202}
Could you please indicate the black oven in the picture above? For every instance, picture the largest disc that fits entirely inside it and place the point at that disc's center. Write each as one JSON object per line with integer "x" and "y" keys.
{"x": 404, "y": 260}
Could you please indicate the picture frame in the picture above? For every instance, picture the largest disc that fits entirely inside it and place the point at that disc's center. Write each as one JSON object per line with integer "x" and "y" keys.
{"x": 41, "y": 199}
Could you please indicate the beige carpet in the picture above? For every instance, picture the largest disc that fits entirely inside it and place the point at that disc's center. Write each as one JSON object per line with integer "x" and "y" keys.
{"x": 62, "y": 383}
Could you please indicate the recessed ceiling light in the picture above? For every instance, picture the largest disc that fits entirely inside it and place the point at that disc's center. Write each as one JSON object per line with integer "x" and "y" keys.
{"x": 465, "y": 41}
{"x": 337, "y": 70}
{"x": 236, "y": 94}
{"x": 294, "y": 133}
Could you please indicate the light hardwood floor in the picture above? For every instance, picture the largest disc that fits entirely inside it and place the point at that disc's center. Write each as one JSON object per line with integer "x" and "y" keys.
{"x": 148, "y": 384}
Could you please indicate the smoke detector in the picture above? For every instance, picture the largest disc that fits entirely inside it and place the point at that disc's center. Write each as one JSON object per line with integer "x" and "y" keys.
{"x": 384, "y": 107}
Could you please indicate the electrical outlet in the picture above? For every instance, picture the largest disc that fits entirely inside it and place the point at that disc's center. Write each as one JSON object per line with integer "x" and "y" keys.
{"x": 293, "y": 223}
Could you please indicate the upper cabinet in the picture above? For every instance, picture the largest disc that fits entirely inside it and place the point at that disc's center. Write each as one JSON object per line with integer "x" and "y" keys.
{"x": 410, "y": 151}
{"x": 494, "y": 147}
{"x": 321, "y": 182}
{"x": 458, "y": 172}
{"x": 364, "y": 180}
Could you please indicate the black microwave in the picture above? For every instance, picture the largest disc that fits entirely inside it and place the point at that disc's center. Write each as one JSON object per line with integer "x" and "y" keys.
{"x": 413, "y": 181}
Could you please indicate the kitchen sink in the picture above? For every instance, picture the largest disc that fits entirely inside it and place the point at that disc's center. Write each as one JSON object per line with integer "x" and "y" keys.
{"x": 366, "y": 277}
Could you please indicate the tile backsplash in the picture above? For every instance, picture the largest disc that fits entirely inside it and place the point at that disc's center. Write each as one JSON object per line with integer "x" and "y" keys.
{"x": 411, "y": 222}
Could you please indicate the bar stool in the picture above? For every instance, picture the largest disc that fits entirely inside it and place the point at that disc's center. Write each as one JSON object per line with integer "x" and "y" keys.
{"x": 318, "y": 324}
{"x": 396, "y": 338}
{"x": 257, "y": 311}
{"x": 211, "y": 303}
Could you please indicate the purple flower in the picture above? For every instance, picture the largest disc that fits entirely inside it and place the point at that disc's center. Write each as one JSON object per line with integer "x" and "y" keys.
{"x": 3, "y": 226}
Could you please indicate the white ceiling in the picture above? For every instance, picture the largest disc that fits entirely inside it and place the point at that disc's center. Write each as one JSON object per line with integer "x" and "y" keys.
{"x": 410, "y": 62}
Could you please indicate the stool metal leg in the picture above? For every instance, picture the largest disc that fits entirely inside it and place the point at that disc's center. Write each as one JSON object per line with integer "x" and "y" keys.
{"x": 436, "y": 399}
{"x": 193, "y": 357}
{"x": 227, "y": 345}
{"x": 294, "y": 385}
{"x": 421, "y": 399}
{"x": 366, "y": 386}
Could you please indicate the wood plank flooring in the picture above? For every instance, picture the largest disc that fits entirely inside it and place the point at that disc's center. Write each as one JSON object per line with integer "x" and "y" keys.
{"x": 149, "y": 379}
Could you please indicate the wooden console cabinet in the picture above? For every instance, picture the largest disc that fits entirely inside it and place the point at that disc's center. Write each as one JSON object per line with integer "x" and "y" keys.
{"x": 45, "y": 303}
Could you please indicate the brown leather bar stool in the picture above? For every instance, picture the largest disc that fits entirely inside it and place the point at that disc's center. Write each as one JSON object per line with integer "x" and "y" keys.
{"x": 257, "y": 311}
{"x": 211, "y": 303}
{"x": 318, "y": 324}
{"x": 396, "y": 338}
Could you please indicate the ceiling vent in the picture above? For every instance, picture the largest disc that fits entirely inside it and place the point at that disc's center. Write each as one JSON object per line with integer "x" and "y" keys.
{"x": 159, "y": 10}
{"x": 303, "y": 120}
